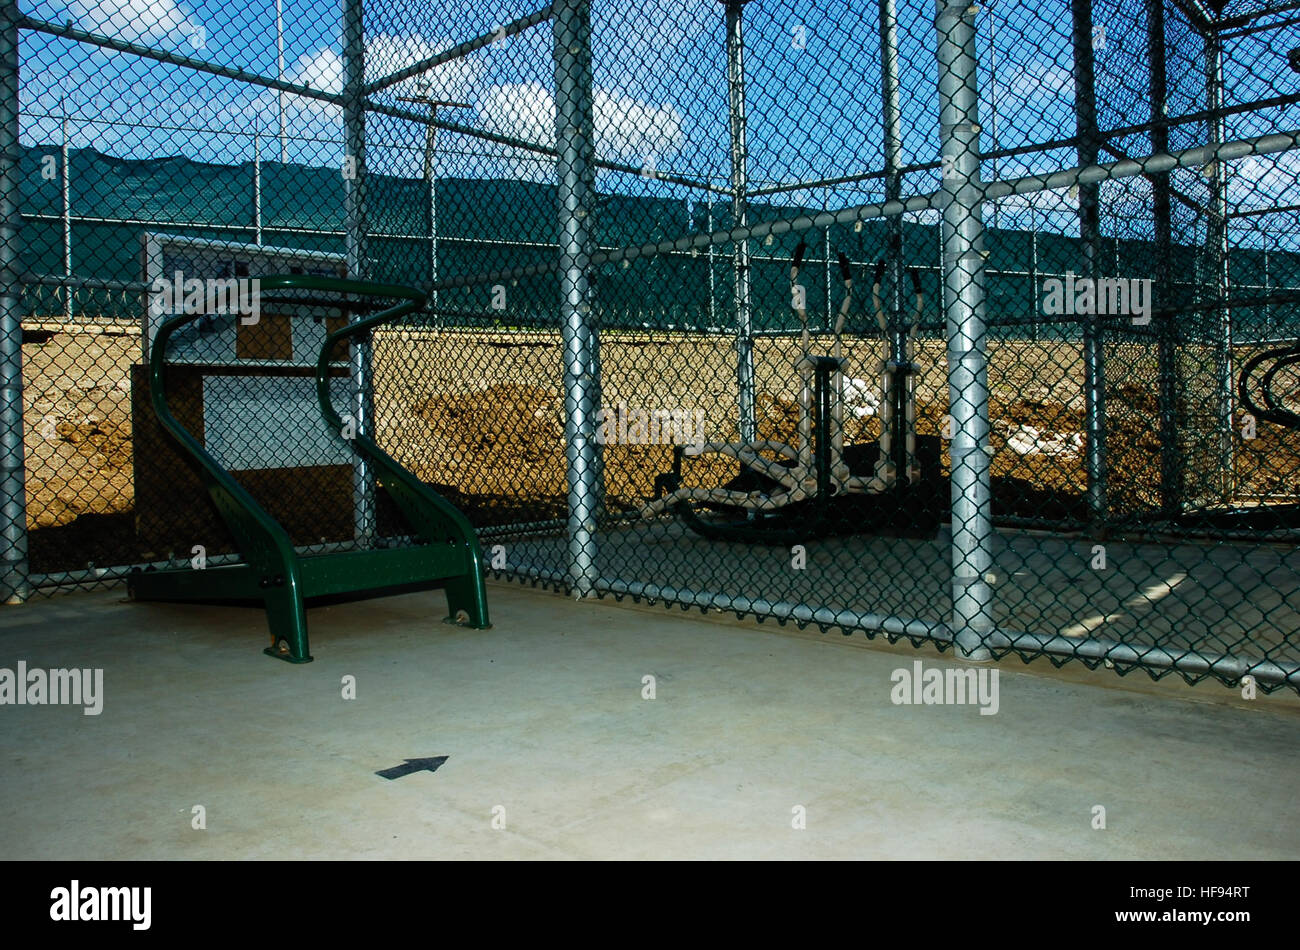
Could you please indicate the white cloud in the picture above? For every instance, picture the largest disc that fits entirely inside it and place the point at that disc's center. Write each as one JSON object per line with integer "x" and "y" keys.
{"x": 385, "y": 54}
{"x": 1056, "y": 210}
{"x": 1035, "y": 81}
{"x": 138, "y": 21}
{"x": 323, "y": 69}
{"x": 1261, "y": 181}
{"x": 626, "y": 129}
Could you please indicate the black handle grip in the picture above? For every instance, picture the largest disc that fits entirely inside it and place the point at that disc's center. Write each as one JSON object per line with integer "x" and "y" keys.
{"x": 846, "y": 272}
{"x": 799, "y": 253}
{"x": 916, "y": 280}
{"x": 880, "y": 271}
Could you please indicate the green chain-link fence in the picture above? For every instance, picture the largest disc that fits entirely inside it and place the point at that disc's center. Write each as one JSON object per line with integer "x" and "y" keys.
{"x": 975, "y": 324}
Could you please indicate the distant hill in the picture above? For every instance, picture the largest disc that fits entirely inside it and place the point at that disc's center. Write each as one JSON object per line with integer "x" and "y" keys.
{"x": 493, "y": 225}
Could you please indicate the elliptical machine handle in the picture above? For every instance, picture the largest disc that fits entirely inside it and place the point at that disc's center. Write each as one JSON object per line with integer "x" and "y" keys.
{"x": 880, "y": 272}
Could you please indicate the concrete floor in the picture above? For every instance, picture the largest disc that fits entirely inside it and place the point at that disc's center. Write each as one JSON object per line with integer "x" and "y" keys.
{"x": 543, "y": 715}
{"x": 1237, "y": 599}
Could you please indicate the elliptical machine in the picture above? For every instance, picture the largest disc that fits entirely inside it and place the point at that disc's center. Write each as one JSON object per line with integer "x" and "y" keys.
{"x": 819, "y": 487}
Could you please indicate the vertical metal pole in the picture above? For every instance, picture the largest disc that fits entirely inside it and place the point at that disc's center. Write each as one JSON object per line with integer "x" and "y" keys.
{"x": 963, "y": 277}
{"x": 828, "y": 321}
{"x": 713, "y": 316}
{"x": 354, "y": 203}
{"x": 1033, "y": 266}
{"x": 66, "y": 211}
{"x": 691, "y": 212}
{"x": 575, "y": 171}
{"x": 892, "y": 121}
{"x": 740, "y": 216}
{"x": 893, "y": 143}
{"x": 431, "y": 176}
{"x": 1268, "y": 290}
{"x": 13, "y": 492}
{"x": 257, "y": 185}
{"x": 1094, "y": 369}
{"x": 1162, "y": 210}
{"x": 993, "y": 104}
{"x": 279, "y": 61}
{"x": 1216, "y": 239}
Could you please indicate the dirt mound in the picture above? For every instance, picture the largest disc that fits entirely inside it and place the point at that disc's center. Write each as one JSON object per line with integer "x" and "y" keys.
{"x": 504, "y": 417}
{"x": 778, "y": 421}
{"x": 1039, "y": 413}
{"x": 77, "y": 420}
{"x": 483, "y": 418}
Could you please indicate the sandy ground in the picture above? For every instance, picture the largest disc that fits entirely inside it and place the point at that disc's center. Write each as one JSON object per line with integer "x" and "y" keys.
{"x": 77, "y": 416}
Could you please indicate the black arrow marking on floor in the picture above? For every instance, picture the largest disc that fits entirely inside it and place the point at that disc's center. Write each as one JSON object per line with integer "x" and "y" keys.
{"x": 413, "y": 765}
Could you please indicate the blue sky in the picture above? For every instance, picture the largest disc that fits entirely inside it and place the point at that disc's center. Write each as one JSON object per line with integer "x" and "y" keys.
{"x": 813, "y": 70}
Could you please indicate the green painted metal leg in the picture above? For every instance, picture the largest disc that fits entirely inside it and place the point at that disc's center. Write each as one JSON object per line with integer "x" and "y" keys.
{"x": 288, "y": 619}
{"x": 467, "y": 600}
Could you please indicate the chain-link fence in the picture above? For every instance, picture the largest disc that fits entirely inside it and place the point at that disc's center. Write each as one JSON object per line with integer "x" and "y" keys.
{"x": 968, "y": 324}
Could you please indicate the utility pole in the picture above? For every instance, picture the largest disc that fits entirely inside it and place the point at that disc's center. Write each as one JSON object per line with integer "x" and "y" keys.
{"x": 430, "y": 175}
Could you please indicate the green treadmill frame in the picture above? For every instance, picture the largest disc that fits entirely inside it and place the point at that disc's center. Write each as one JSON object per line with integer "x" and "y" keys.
{"x": 272, "y": 572}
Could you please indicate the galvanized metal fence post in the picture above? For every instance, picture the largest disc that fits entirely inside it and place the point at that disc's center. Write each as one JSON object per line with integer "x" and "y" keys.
{"x": 257, "y": 184}
{"x": 354, "y": 196}
{"x": 1268, "y": 311}
{"x": 1162, "y": 210}
{"x": 892, "y": 126}
{"x": 740, "y": 217}
{"x": 1094, "y": 382}
{"x": 828, "y": 318}
{"x": 964, "y": 305}
{"x": 13, "y": 490}
{"x": 279, "y": 74}
{"x": 575, "y": 143}
{"x": 431, "y": 176}
{"x": 1216, "y": 240}
{"x": 1035, "y": 335}
{"x": 65, "y": 208}
{"x": 713, "y": 290}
